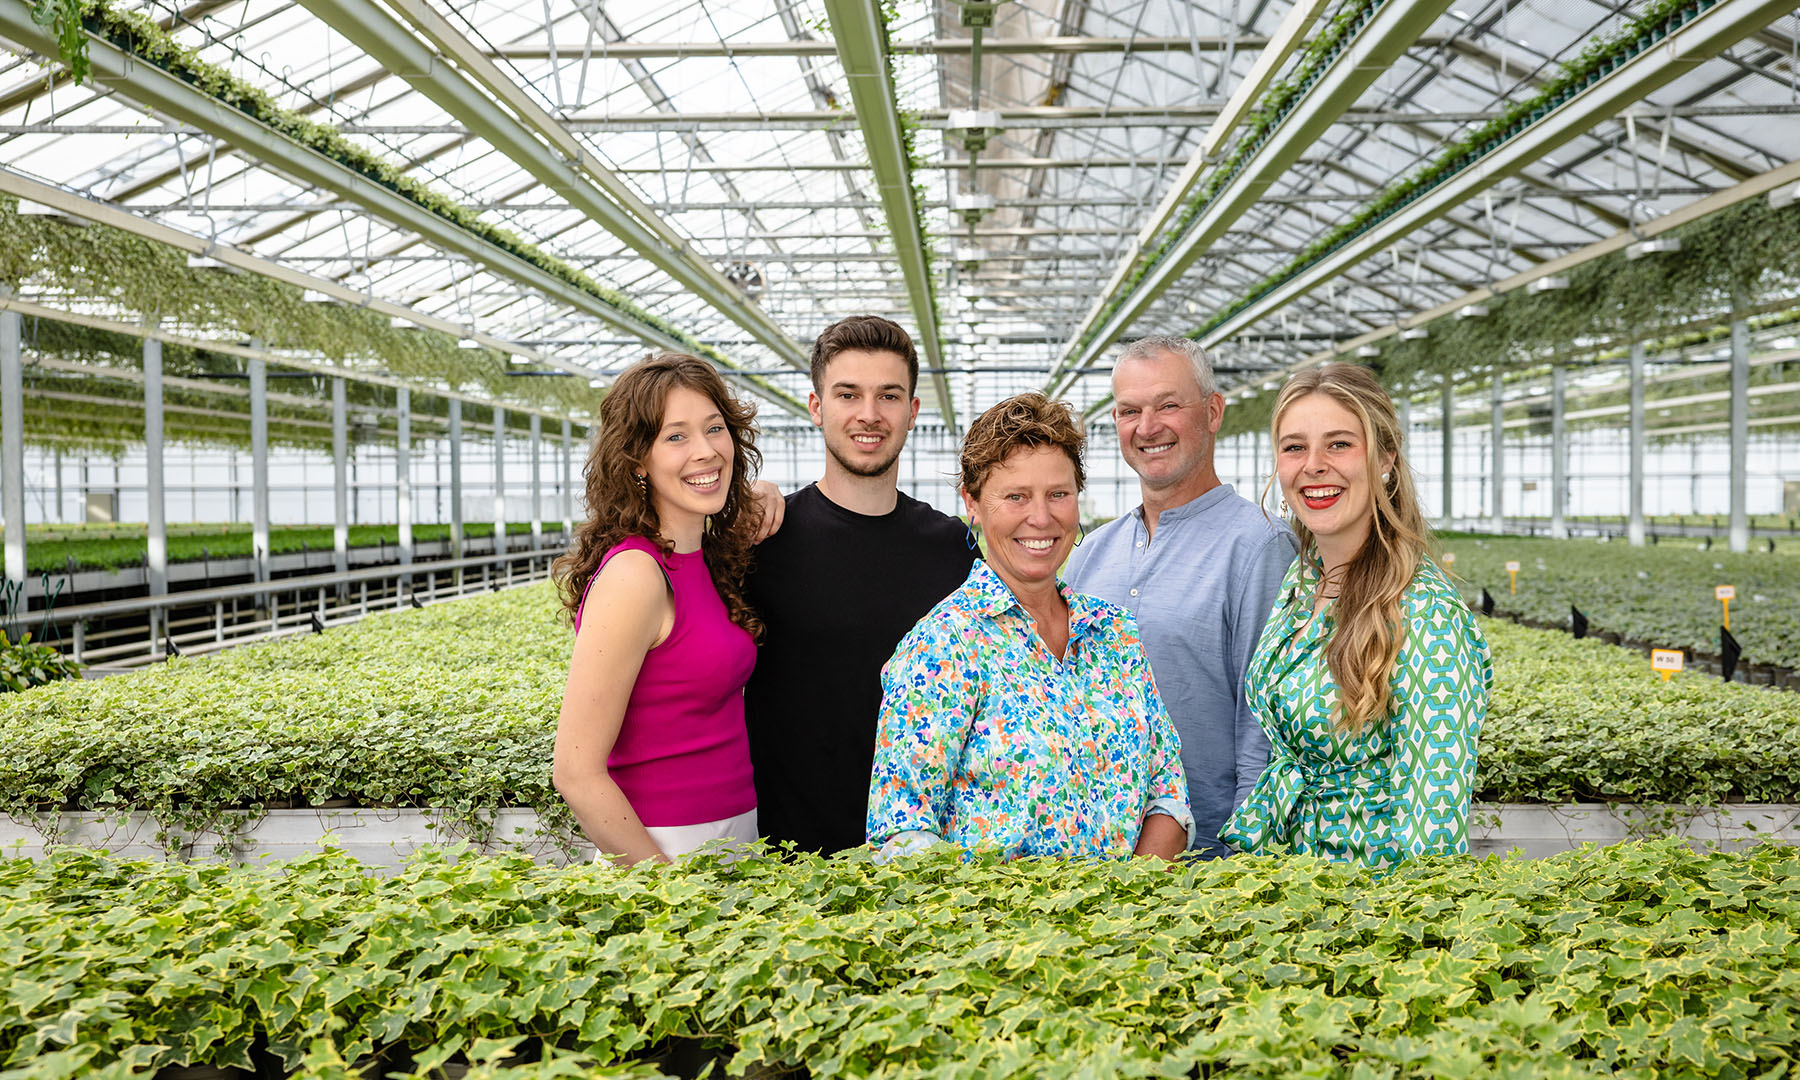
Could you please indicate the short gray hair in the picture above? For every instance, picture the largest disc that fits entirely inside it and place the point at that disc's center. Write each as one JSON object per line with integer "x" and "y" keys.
{"x": 1153, "y": 348}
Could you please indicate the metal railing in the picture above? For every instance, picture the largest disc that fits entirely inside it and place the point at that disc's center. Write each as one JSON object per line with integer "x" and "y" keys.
{"x": 197, "y": 621}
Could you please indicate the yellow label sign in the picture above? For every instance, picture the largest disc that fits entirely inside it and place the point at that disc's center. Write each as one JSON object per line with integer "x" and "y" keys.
{"x": 1666, "y": 659}
{"x": 1512, "y": 567}
{"x": 1725, "y": 592}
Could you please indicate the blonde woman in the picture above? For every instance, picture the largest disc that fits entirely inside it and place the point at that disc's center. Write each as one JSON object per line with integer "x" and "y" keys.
{"x": 1371, "y": 679}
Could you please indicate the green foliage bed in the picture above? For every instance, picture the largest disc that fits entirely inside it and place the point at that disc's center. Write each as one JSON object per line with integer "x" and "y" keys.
{"x": 1661, "y": 594}
{"x": 455, "y": 706}
{"x": 192, "y": 543}
{"x": 1638, "y": 961}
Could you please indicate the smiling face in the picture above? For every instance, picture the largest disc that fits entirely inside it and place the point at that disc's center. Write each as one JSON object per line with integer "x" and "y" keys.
{"x": 1166, "y": 425}
{"x": 1029, "y": 513}
{"x": 1322, "y": 456}
{"x": 689, "y": 463}
{"x": 865, "y": 409}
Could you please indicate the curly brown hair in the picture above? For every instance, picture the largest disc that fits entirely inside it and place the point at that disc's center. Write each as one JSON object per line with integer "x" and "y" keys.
{"x": 1028, "y": 420}
{"x": 630, "y": 418}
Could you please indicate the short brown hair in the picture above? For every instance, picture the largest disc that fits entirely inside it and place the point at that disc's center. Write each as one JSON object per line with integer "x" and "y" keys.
{"x": 865, "y": 333}
{"x": 1019, "y": 423}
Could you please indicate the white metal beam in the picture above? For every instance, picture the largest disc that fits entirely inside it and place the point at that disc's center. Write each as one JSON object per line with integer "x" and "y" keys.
{"x": 12, "y": 448}
{"x": 340, "y": 478}
{"x": 1684, "y": 49}
{"x": 1634, "y": 526}
{"x": 403, "y": 475}
{"x": 163, "y": 92}
{"x": 156, "y": 550}
{"x": 537, "y": 483}
{"x": 499, "y": 481}
{"x": 860, "y": 32}
{"x": 1287, "y": 37}
{"x": 1740, "y": 435}
{"x": 1390, "y": 30}
{"x": 515, "y": 125}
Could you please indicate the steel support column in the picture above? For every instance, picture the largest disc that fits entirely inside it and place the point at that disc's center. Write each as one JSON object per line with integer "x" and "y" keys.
{"x": 568, "y": 483}
{"x": 1634, "y": 525}
{"x": 1559, "y": 452}
{"x": 156, "y": 563}
{"x": 1449, "y": 454}
{"x": 454, "y": 438}
{"x": 403, "y": 474}
{"x": 12, "y": 447}
{"x": 1497, "y": 459}
{"x": 1740, "y": 435}
{"x": 499, "y": 480}
{"x": 537, "y": 482}
{"x": 259, "y": 467}
{"x": 340, "y": 480}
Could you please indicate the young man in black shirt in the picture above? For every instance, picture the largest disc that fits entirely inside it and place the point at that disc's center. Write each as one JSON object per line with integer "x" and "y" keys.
{"x": 854, "y": 565}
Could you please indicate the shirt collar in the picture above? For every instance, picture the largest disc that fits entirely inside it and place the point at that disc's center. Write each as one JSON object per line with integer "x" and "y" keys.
{"x": 1192, "y": 507}
{"x": 993, "y": 598}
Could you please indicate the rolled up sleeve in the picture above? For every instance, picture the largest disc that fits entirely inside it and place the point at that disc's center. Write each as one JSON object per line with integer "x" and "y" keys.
{"x": 1168, "y": 790}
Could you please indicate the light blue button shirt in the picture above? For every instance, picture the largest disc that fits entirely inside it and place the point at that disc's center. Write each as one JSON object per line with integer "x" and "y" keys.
{"x": 1201, "y": 592}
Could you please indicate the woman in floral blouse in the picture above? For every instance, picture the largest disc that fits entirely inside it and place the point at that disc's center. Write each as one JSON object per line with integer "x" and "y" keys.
{"x": 1017, "y": 716}
{"x": 1371, "y": 679}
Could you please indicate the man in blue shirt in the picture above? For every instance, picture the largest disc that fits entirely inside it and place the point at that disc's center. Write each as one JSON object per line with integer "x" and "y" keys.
{"x": 1197, "y": 563}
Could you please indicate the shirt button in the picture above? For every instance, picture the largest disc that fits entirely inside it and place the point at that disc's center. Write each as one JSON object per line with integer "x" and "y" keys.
{"x": 1140, "y": 543}
{"x": 1134, "y": 592}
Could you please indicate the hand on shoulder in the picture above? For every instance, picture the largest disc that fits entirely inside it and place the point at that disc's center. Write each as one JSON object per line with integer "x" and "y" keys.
{"x": 772, "y": 507}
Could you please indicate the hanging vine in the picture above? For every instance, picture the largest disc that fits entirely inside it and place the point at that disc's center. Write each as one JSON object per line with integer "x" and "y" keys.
{"x": 1741, "y": 258}
{"x": 137, "y": 35}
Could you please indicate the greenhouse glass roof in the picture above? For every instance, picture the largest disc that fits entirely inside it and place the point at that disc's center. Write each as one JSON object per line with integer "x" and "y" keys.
{"x": 728, "y": 165}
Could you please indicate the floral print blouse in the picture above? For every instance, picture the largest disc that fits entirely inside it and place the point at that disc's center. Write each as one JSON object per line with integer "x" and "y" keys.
{"x": 986, "y": 740}
{"x": 1399, "y": 788}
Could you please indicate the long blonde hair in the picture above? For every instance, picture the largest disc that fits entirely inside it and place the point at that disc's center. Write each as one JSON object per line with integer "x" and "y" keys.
{"x": 1370, "y": 625}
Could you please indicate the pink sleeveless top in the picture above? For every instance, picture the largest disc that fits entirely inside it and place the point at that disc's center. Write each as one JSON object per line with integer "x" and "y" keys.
{"x": 682, "y": 756}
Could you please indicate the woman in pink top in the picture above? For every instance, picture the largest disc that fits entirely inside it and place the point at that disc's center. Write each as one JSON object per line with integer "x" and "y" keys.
{"x": 651, "y": 752}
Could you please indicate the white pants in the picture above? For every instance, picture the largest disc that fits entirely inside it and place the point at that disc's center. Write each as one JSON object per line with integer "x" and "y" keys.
{"x": 678, "y": 840}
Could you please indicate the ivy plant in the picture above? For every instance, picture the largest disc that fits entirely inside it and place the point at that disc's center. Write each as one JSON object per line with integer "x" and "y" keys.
{"x": 454, "y": 707}
{"x": 1638, "y": 960}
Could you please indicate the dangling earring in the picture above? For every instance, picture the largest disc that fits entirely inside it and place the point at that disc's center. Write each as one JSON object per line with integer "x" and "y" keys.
{"x": 1284, "y": 509}
{"x": 643, "y": 483}
{"x": 973, "y": 539}
{"x": 1081, "y": 534}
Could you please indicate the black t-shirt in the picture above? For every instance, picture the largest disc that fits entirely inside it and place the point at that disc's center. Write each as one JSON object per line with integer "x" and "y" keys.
{"x": 837, "y": 591}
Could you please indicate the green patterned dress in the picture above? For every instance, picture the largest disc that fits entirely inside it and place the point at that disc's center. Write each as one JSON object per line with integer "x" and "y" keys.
{"x": 1400, "y": 787}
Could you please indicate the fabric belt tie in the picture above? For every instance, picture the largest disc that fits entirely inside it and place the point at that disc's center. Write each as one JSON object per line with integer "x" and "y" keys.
{"x": 1290, "y": 783}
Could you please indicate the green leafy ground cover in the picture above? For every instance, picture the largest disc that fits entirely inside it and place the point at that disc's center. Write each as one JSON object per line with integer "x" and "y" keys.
{"x": 455, "y": 706}
{"x": 1661, "y": 594}
{"x": 1641, "y": 960}
{"x": 127, "y": 546}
